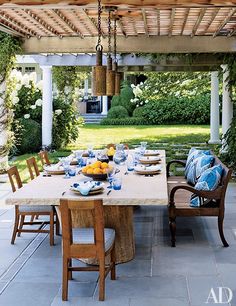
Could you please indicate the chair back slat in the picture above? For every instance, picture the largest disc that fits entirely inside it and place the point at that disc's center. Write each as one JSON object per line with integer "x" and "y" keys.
{"x": 33, "y": 167}
{"x": 14, "y": 177}
{"x": 67, "y": 208}
{"x": 43, "y": 155}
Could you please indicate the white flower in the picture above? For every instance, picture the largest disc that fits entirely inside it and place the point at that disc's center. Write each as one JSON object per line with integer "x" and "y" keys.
{"x": 16, "y": 74}
{"x": 39, "y": 85}
{"x": 141, "y": 103}
{"x": 33, "y": 106}
{"x": 33, "y": 77}
{"x": 132, "y": 86}
{"x": 18, "y": 86}
{"x": 15, "y": 100}
{"x": 58, "y": 111}
{"x": 27, "y": 116}
{"x": 39, "y": 102}
{"x": 67, "y": 90}
{"x": 25, "y": 80}
{"x": 146, "y": 101}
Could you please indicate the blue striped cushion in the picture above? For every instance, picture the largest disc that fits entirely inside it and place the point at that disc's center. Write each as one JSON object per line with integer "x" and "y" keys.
{"x": 193, "y": 153}
{"x": 209, "y": 180}
{"x": 198, "y": 166}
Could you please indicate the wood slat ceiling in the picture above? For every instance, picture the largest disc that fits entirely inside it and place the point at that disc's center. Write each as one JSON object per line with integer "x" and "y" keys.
{"x": 165, "y": 18}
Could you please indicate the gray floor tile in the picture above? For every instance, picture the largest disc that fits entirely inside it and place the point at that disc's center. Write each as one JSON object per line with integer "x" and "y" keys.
{"x": 184, "y": 260}
{"x": 147, "y": 287}
{"x": 39, "y": 270}
{"x": 80, "y": 289}
{"x": 159, "y": 302}
{"x": 27, "y": 294}
{"x": 134, "y": 268}
{"x": 85, "y": 301}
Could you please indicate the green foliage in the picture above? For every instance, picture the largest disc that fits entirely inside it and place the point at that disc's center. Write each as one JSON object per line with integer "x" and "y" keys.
{"x": 124, "y": 121}
{"x": 66, "y": 123}
{"x": 124, "y": 98}
{"x": 29, "y": 134}
{"x": 68, "y": 76}
{"x": 174, "y": 110}
{"x": 230, "y": 145}
{"x": 9, "y": 46}
{"x": 117, "y": 112}
{"x": 138, "y": 112}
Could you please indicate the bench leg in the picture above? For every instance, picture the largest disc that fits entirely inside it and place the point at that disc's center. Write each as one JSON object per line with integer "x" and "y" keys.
{"x": 172, "y": 225}
{"x": 221, "y": 232}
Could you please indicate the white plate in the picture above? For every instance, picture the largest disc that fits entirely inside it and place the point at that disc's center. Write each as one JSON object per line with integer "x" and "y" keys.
{"x": 149, "y": 159}
{"x": 54, "y": 168}
{"x": 151, "y": 153}
{"x": 147, "y": 169}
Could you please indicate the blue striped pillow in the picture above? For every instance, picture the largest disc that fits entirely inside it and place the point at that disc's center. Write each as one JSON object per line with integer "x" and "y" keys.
{"x": 193, "y": 153}
{"x": 209, "y": 180}
{"x": 198, "y": 166}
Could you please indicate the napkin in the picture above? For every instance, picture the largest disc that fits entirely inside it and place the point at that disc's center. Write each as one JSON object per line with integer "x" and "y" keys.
{"x": 84, "y": 187}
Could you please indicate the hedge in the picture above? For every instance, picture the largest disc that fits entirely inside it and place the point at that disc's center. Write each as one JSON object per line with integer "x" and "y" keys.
{"x": 124, "y": 121}
{"x": 117, "y": 112}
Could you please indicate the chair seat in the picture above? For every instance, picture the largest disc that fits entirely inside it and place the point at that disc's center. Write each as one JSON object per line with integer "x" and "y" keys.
{"x": 86, "y": 236}
{"x": 34, "y": 208}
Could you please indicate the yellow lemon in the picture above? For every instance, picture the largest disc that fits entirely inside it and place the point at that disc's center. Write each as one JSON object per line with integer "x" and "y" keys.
{"x": 90, "y": 171}
{"x": 97, "y": 171}
{"x": 104, "y": 165}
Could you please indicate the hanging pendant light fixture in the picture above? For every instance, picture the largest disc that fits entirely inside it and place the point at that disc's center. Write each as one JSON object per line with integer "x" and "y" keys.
{"x": 110, "y": 77}
{"x": 115, "y": 64}
{"x": 99, "y": 71}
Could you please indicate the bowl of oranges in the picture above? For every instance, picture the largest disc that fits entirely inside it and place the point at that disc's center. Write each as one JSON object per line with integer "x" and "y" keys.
{"x": 98, "y": 170}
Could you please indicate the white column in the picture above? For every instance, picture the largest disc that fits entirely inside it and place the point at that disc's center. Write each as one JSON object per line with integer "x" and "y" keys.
{"x": 215, "y": 114}
{"x": 86, "y": 89}
{"x": 47, "y": 106}
{"x": 104, "y": 105}
{"x": 227, "y": 105}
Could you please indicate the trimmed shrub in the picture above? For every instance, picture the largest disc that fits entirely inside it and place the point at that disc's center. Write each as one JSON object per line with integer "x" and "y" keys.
{"x": 138, "y": 112}
{"x": 29, "y": 136}
{"x": 124, "y": 121}
{"x": 117, "y": 112}
{"x": 174, "y": 110}
{"x": 124, "y": 98}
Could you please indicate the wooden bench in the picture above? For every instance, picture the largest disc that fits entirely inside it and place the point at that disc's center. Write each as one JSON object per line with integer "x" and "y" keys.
{"x": 179, "y": 196}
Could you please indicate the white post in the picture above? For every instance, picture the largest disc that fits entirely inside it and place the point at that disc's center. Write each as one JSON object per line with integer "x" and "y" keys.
{"x": 47, "y": 106}
{"x": 104, "y": 105}
{"x": 227, "y": 105}
{"x": 215, "y": 114}
{"x": 86, "y": 89}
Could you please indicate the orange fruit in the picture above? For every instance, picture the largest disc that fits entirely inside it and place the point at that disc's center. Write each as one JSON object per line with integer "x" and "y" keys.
{"x": 104, "y": 171}
{"x": 97, "y": 171}
{"x": 90, "y": 171}
{"x": 104, "y": 165}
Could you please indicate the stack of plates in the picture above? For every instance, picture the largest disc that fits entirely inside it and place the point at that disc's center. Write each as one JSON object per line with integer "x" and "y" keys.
{"x": 97, "y": 187}
{"x": 146, "y": 170}
{"x": 149, "y": 160}
{"x": 54, "y": 169}
{"x": 151, "y": 153}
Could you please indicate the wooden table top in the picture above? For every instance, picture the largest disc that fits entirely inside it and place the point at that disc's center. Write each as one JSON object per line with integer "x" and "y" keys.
{"x": 136, "y": 189}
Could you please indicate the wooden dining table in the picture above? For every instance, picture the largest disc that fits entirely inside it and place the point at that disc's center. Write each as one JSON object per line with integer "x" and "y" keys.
{"x": 118, "y": 204}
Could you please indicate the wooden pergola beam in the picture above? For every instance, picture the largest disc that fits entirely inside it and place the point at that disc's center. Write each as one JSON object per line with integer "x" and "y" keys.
{"x": 158, "y": 22}
{"x": 120, "y": 24}
{"x": 145, "y": 22}
{"x": 185, "y": 20}
{"x": 214, "y": 14}
{"x": 172, "y": 19}
{"x": 199, "y": 19}
{"x": 159, "y": 3}
{"x": 132, "y": 44}
{"x": 92, "y": 22}
{"x": 224, "y": 22}
{"x": 4, "y": 28}
{"x": 68, "y": 22}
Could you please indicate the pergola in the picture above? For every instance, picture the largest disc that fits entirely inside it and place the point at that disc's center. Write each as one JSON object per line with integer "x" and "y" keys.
{"x": 63, "y": 30}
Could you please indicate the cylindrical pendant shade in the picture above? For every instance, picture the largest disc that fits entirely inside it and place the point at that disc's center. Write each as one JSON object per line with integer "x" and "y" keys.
{"x": 117, "y": 83}
{"x": 100, "y": 80}
{"x": 110, "y": 88}
{"x": 99, "y": 76}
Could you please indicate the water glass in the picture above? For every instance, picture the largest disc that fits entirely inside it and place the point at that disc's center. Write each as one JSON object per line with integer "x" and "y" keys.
{"x": 130, "y": 165}
{"x": 90, "y": 151}
{"x": 72, "y": 172}
{"x": 117, "y": 182}
{"x": 110, "y": 177}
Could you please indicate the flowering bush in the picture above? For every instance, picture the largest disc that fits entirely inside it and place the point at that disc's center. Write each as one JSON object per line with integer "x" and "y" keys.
{"x": 141, "y": 94}
{"x": 26, "y": 97}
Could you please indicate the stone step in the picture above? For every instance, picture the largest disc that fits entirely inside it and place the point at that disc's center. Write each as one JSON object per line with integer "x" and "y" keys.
{"x": 93, "y": 118}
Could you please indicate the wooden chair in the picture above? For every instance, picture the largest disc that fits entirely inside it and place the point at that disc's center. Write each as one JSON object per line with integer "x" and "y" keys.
{"x": 179, "y": 195}
{"x": 95, "y": 242}
{"x": 33, "y": 167}
{"x": 21, "y": 211}
{"x": 43, "y": 155}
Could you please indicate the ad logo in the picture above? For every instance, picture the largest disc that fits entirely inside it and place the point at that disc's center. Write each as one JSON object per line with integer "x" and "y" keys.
{"x": 222, "y": 295}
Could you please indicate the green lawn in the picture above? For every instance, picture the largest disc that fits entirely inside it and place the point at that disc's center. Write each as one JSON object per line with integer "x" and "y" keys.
{"x": 166, "y": 137}
{"x": 101, "y": 135}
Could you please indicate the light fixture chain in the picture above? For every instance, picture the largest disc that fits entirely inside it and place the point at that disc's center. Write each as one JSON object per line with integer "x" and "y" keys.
{"x": 109, "y": 33}
{"x": 115, "y": 30}
{"x": 99, "y": 24}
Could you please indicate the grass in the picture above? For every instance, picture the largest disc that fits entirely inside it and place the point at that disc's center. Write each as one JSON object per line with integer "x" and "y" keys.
{"x": 166, "y": 137}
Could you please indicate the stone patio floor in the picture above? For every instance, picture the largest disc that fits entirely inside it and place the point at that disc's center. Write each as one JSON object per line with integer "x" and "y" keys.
{"x": 30, "y": 270}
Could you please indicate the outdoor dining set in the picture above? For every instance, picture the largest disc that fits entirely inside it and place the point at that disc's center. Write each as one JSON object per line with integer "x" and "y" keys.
{"x": 90, "y": 197}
